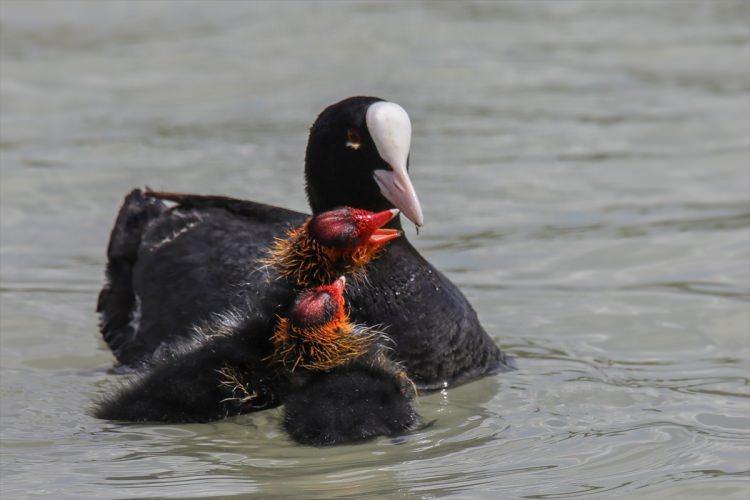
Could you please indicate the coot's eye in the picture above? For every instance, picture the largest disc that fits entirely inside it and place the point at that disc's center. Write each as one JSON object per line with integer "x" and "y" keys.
{"x": 353, "y": 139}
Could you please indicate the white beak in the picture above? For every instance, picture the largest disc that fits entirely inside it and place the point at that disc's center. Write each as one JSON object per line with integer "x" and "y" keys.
{"x": 390, "y": 129}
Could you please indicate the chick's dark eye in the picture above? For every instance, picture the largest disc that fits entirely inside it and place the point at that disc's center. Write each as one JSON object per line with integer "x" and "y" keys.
{"x": 353, "y": 139}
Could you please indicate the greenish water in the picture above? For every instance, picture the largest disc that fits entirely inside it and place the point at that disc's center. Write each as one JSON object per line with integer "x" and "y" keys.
{"x": 584, "y": 168}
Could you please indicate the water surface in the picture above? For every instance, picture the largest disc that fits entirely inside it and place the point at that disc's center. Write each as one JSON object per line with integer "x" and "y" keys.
{"x": 584, "y": 169}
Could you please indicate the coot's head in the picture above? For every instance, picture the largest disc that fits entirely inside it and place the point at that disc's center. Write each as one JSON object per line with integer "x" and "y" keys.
{"x": 316, "y": 333}
{"x": 358, "y": 155}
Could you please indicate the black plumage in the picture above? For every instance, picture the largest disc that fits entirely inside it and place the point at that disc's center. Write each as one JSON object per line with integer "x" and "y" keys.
{"x": 202, "y": 257}
{"x": 196, "y": 380}
{"x": 227, "y": 368}
{"x": 360, "y": 401}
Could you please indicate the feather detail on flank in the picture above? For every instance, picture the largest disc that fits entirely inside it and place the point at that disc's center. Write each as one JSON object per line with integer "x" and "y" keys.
{"x": 231, "y": 380}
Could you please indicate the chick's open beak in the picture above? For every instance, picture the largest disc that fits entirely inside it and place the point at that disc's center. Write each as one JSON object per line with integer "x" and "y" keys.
{"x": 380, "y": 236}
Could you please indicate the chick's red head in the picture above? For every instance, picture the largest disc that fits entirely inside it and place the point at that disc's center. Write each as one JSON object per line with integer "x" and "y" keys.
{"x": 319, "y": 306}
{"x": 348, "y": 228}
{"x": 316, "y": 334}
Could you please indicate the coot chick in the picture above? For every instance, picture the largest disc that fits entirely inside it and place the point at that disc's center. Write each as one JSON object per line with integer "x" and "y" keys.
{"x": 357, "y": 155}
{"x": 332, "y": 243}
{"x": 334, "y": 377}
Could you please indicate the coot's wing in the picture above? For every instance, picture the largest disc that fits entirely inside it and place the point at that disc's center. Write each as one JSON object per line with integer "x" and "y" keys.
{"x": 169, "y": 269}
{"x": 260, "y": 212}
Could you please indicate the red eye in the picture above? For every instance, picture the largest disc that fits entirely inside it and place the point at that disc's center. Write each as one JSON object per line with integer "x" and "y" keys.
{"x": 353, "y": 139}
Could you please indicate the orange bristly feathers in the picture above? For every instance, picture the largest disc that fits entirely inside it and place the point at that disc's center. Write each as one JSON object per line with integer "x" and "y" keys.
{"x": 321, "y": 347}
{"x": 306, "y": 262}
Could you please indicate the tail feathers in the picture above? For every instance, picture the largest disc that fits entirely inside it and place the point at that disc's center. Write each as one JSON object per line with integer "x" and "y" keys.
{"x": 175, "y": 197}
{"x": 117, "y": 303}
{"x": 135, "y": 213}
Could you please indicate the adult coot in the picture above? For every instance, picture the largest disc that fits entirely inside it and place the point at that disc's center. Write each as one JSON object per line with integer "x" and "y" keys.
{"x": 171, "y": 268}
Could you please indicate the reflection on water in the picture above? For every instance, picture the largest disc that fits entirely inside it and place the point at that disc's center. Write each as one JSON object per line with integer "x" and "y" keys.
{"x": 583, "y": 169}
